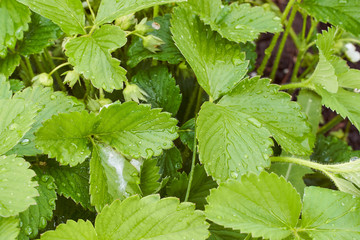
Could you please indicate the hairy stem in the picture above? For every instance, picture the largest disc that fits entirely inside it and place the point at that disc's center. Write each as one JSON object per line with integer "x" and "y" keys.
{"x": 328, "y": 126}
{"x": 191, "y": 174}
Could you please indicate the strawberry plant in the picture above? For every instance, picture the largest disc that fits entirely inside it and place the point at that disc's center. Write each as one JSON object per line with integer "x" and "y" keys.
{"x": 156, "y": 119}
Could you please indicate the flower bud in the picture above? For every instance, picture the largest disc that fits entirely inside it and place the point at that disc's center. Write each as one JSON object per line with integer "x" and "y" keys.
{"x": 126, "y": 22}
{"x": 142, "y": 28}
{"x": 132, "y": 92}
{"x": 71, "y": 78}
{"x": 152, "y": 43}
{"x": 43, "y": 79}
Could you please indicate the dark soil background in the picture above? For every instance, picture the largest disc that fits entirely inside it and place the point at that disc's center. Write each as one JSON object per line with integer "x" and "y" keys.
{"x": 286, "y": 66}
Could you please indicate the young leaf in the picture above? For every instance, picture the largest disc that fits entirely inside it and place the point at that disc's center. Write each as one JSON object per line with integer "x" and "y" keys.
{"x": 345, "y": 14}
{"x": 151, "y": 218}
{"x": 68, "y": 14}
{"x": 14, "y": 19}
{"x": 5, "y": 92}
{"x": 136, "y": 130}
{"x": 170, "y": 162}
{"x": 17, "y": 189}
{"x": 334, "y": 218}
{"x": 9, "y": 228}
{"x": 311, "y": 106}
{"x": 168, "y": 51}
{"x": 234, "y": 134}
{"x": 149, "y": 177}
{"x": 265, "y": 206}
{"x": 91, "y": 56}
{"x": 220, "y": 233}
{"x": 111, "y": 9}
{"x": 111, "y": 177}
{"x": 42, "y": 33}
{"x": 160, "y": 87}
{"x": 72, "y": 230}
{"x": 187, "y": 133}
{"x": 71, "y": 182}
{"x": 9, "y": 64}
{"x": 66, "y": 137}
{"x": 200, "y": 187}
{"x": 36, "y": 216}
{"x": 51, "y": 103}
{"x": 237, "y": 22}
{"x": 226, "y": 61}
{"x": 15, "y": 121}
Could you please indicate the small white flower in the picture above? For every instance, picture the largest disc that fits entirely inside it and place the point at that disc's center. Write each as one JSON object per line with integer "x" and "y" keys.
{"x": 351, "y": 53}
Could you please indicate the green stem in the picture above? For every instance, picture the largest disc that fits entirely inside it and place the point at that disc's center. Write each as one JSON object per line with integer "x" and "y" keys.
{"x": 56, "y": 75}
{"x": 351, "y": 40}
{"x": 269, "y": 50}
{"x": 282, "y": 43}
{"x": 248, "y": 237}
{"x": 191, "y": 174}
{"x": 26, "y": 77}
{"x": 156, "y": 11}
{"x": 58, "y": 67}
{"x": 294, "y": 85}
{"x": 328, "y": 126}
{"x": 39, "y": 66}
{"x": 312, "y": 28}
{"x": 29, "y": 67}
{"x": 191, "y": 103}
{"x": 91, "y": 10}
{"x": 299, "y": 161}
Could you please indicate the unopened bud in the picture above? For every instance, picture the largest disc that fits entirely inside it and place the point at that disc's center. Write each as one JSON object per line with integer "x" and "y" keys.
{"x": 43, "y": 79}
{"x": 142, "y": 28}
{"x": 126, "y": 22}
{"x": 71, "y": 78}
{"x": 152, "y": 43}
{"x": 133, "y": 92}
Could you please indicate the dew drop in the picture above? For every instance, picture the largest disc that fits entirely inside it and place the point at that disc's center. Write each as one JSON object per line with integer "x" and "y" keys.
{"x": 25, "y": 142}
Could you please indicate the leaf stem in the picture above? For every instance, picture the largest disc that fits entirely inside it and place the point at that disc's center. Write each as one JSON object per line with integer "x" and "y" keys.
{"x": 298, "y": 161}
{"x": 29, "y": 67}
{"x": 191, "y": 174}
{"x": 294, "y": 85}
{"x": 58, "y": 67}
{"x": 328, "y": 126}
{"x": 52, "y": 65}
{"x": 91, "y": 10}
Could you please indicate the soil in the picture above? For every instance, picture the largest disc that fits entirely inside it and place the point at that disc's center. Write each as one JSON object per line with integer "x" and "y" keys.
{"x": 286, "y": 65}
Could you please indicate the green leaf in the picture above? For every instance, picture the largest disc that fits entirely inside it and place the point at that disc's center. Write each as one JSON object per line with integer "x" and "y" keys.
{"x": 15, "y": 121}
{"x": 345, "y": 14}
{"x": 237, "y": 22}
{"x": 9, "y": 64}
{"x": 51, "y": 103}
{"x": 226, "y": 61}
{"x": 71, "y": 182}
{"x": 66, "y": 137}
{"x": 169, "y": 52}
{"x": 311, "y": 106}
{"x": 9, "y": 228}
{"x": 234, "y": 134}
{"x": 16, "y": 85}
{"x": 36, "y": 216}
{"x": 136, "y": 130}
{"x": 334, "y": 218}
{"x": 111, "y": 177}
{"x": 91, "y": 56}
{"x": 17, "y": 189}
{"x": 109, "y": 10}
{"x": 292, "y": 173}
{"x": 42, "y": 33}
{"x": 170, "y": 162}
{"x": 265, "y": 206}
{"x": 200, "y": 187}
{"x": 350, "y": 79}
{"x": 151, "y": 218}
{"x": 187, "y": 133}
{"x": 220, "y": 233}
{"x": 5, "y": 92}
{"x": 68, "y": 14}
{"x": 149, "y": 176}
{"x": 160, "y": 87}
{"x": 72, "y": 230}
{"x": 14, "y": 19}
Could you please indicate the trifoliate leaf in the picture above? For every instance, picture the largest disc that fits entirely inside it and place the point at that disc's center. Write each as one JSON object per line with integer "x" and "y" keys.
{"x": 50, "y": 103}
{"x": 217, "y": 71}
{"x": 109, "y": 10}
{"x": 9, "y": 64}
{"x": 333, "y": 218}
{"x": 220, "y": 233}
{"x": 265, "y": 206}
{"x": 14, "y": 18}
{"x": 149, "y": 176}
{"x": 71, "y": 182}
{"x": 72, "y": 230}
{"x": 42, "y": 33}
{"x": 168, "y": 51}
{"x": 17, "y": 189}
{"x": 36, "y": 216}
{"x": 311, "y": 106}
{"x": 68, "y": 14}
{"x": 292, "y": 173}
{"x": 5, "y": 92}
{"x": 170, "y": 162}
{"x": 66, "y": 137}
{"x": 200, "y": 187}
{"x": 15, "y": 121}
{"x": 237, "y": 22}
{"x": 187, "y": 133}
{"x": 151, "y": 218}
{"x": 160, "y": 87}
{"x": 234, "y": 134}
{"x": 136, "y": 130}
{"x": 343, "y": 13}
{"x": 91, "y": 56}
{"x": 9, "y": 228}
{"x": 111, "y": 177}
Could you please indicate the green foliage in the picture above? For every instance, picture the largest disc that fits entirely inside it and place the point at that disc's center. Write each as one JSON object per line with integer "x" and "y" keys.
{"x": 9, "y": 228}
{"x": 9, "y": 63}
{"x": 170, "y": 162}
